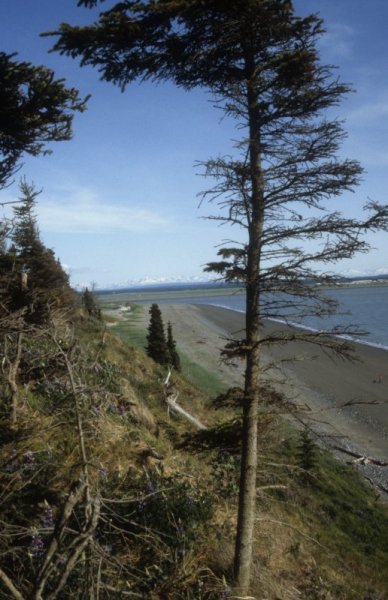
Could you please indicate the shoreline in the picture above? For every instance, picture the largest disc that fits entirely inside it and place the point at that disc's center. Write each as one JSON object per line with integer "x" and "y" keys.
{"x": 340, "y": 399}
{"x": 329, "y": 382}
{"x": 354, "y": 341}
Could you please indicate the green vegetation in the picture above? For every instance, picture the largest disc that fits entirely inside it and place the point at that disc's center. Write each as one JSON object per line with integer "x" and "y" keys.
{"x": 111, "y": 300}
{"x": 325, "y": 536}
{"x": 201, "y": 378}
{"x": 35, "y": 109}
{"x": 129, "y": 327}
{"x": 156, "y": 337}
{"x": 174, "y": 358}
{"x": 105, "y": 494}
{"x": 260, "y": 63}
{"x": 90, "y": 304}
{"x": 31, "y": 279}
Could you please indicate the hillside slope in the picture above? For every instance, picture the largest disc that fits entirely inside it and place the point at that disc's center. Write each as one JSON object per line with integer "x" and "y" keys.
{"x": 106, "y": 495}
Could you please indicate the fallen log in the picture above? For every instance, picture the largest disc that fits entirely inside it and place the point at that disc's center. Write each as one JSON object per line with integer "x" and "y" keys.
{"x": 360, "y": 459}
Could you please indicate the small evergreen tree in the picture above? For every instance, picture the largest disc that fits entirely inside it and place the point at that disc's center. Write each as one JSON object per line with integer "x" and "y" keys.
{"x": 37, "y": 279}
{"x": 90, "y": 304}
{"x": 171, "y": 348}
{"x": 306, "y": 454}
{"x": 25, "y": 234}
{"x": 156, "y": 338}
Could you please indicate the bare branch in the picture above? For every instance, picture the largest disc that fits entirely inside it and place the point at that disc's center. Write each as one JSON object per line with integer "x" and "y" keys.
{"x": 11, "y": 587}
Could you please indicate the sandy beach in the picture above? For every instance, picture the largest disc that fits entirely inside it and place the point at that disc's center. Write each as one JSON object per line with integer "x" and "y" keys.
{"x": 321, "y": 386}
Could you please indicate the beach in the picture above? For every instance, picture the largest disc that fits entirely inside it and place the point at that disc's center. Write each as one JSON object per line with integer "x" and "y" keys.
{"x": 346, "y": 403}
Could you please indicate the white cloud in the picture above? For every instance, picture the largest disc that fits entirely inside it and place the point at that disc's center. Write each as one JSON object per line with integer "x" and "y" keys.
{"x": 81, "y": 211}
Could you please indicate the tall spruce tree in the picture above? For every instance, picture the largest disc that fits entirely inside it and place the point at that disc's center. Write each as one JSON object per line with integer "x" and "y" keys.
{"x": 156, "y": 337}
{"x": 261, "y": 63}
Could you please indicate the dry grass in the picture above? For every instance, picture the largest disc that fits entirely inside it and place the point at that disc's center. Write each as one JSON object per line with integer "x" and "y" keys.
{"x": 129, "y": 435}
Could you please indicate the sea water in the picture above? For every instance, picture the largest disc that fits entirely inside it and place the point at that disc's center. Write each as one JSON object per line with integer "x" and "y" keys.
{"x": 363, "y": 307}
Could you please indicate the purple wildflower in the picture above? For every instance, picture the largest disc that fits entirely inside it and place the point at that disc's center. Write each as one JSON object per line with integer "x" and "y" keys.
{"x": 102, "y": 472}
{"x": 150, "y": 487}
{"x": 122, "y": 410}
{"x": 141, "y": 504}
{"x": 29, "y": 461}
{"x": 48, "y": 517}
{"x": 36, "y": 546}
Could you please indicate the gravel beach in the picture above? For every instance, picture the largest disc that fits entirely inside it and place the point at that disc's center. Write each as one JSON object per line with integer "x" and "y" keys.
{"x": 345, "y": 402}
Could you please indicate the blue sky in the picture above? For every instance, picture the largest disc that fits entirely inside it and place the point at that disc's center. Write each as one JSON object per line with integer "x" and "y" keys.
{"x": 120, "y": 200}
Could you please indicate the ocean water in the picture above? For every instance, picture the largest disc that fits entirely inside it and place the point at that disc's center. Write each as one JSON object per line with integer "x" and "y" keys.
{"x": 364, "y": 307}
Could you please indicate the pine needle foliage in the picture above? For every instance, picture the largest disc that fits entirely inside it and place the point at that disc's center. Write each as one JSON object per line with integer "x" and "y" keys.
{"x": 174, "y": 359}
{"x": 261, "y": 63}
{"x": 156, "y": 337}
{"x": 306, "y": 455}
{"x": 32, "y": 279}
{"x": 90, "y": 304}
{"x": 35, "y": 109}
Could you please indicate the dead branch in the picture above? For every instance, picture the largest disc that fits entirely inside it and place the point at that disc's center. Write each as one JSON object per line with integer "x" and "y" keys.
{"x": 167, "y": 380}
{"x": 81, "y": 436}
{"x": 74, "y": 549}
{"x": 170, "y": 397}
{"x": 290, "y": 526}
{"x": 101, "y": 346}
{"x": 120, "y": 593}
{"x": 377, "y": 484}
{"x": 12, "y": 377}
{"x": 10, "y": 586}
{"x": 79, "y": 546}
{"x": 75, "y": 496}
{"x": 172, "y": 404}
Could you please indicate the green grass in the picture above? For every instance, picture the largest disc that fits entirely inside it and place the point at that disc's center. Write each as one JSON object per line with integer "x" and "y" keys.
{"x": 345, "y": 522}
{"x": 129, "y": 329}
{"x": 339, "y": 530}
{"x": 344, "y": 515}
{"x": 204, "y": 380}
{"x": 350, "y": 513}
{"x": 132, "y": 335}
{"x": 132, "y": 332}
{"x": 124, "y": 298}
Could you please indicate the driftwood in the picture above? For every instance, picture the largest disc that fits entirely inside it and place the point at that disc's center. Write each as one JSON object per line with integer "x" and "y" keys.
{"x": 172, "y": 404}
{"x": 171, "y": 396}
{"x": 360, "y": 459}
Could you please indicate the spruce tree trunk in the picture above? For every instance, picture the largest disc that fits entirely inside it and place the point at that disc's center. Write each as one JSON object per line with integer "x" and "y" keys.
{"x": 247, "y": 491}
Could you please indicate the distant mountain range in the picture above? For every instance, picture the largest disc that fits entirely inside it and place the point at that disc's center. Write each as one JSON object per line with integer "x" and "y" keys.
{"x": 169, "y": 286}
{"x": 201, "y": 283}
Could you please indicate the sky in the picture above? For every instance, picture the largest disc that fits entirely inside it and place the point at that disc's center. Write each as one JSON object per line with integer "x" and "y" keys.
{"x": 120, "y": 202}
